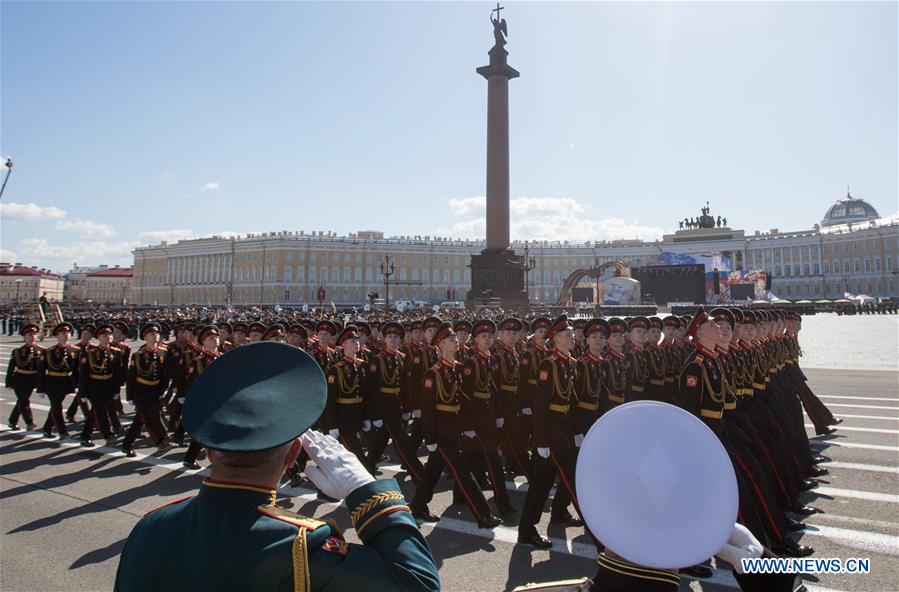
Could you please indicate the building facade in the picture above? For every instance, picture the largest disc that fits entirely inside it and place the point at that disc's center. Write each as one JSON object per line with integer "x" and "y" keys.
{"x": 22, "y": 285}
{"x": 857, "y": 256}
{"x": 103, "y": 284}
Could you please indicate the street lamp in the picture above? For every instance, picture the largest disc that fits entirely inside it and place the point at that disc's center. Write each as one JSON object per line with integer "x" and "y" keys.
{"x": 387, "y": 268}
{"x": 529, "y": 264}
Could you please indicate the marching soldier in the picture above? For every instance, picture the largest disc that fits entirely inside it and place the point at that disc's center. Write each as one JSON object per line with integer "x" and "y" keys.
{"x": 444, "y": 426}
{"x": 120, "y": 334}
{"x": 592, "y": 376}
{"x": 22, "y": 375}
{"x": 59, "y": 376}
{"x": 86, "y": 334}
{"x": 555, "y": 441}
{"x": 506, "y": 376}
{"x": 482, "y": 404}
{"x": 297, "y": 336}
{"x": 637, "y": 364}
{"x": 529, "y": 362}
{"x": 657, "y": 383}
{"x": 209, "y": 338}
{"x": 145, "y": 387}
{"x": 387, "y": 391}
{"x": 463, "y": 330}
{"x": 323, "y": 353}
{"x": 239, "y": 335}
{"x": 99, "y": 378}
{"x": 256, "y": 330}
{"x": 345, "y": 412}
{"x": 618, "y": 387}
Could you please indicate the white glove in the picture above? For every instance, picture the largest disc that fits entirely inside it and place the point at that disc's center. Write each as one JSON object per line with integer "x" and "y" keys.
{"x": 175, "y": 391}
{"x": 378, "y": 423}
{"x": 335, "y": 433}
{"x": 431, "y": 447}
{"x": 469, "y": 434}
{"x": 578, "y": 440}
{"x": 543, "y": 452}
{"x": 406, "y": 416}
{"x": 499, "y": 422}
{"x": 416, "y": 413}
{"x": 337, "y": 472}
{"x": 741, "y": 545}
{"x": 366, "y": 425}
{"x": 526, "y": 411}
{"x": 181, "y": 400}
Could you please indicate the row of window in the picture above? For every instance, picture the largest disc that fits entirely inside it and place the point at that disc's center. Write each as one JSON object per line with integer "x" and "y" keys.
{"x": 866, "y": 265}
{"x": 836, "y": 289}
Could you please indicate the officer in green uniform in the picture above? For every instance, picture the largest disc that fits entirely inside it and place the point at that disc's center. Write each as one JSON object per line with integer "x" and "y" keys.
{"x": 251, "y": 407}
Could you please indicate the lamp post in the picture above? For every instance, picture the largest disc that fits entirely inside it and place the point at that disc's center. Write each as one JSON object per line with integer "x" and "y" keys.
{"x": 597, "y": 298}
{"x": 387, "y": 268}
{"x": 530, "y": 262}
{"x": 8, "y": 166}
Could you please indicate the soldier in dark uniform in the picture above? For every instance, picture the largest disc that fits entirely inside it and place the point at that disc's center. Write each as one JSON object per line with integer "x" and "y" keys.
{"x": 120, "y": 336}
{"x": 592, "y": 377}
{"x": 658, "y": 387}
{"x": 100, "y": 377}
{"x": 554, "y": 438}
{"x": 580, "y": 345}
{"x": 225, "y": 331}
{"x": 463, "y": 329}
{"x": 387, "y": 391}
{"x": 637, "y": 363}
{"x": 618, "y": 383}
{"x": 232, "y": 536}
{"x": 444, "y": 426}
{"x": 345, "y": 412}
{"x": 145, "y": 387}
{"x": 22, "y": 375}
{"x": 528, "y": 363}
{"x": 239, "y": 335}
{"x": 58, "y": 378}
{"x": 255, "y": 331}
{"x": 297, "y": 337}
{"x": 506, "y": 376}
{"x": 86, "y": 333}
{"x": 323, "y": 353}
{"x": 482, "y": 403}
{"x": 209, "y": 338}
{"x": 274, "y": 333}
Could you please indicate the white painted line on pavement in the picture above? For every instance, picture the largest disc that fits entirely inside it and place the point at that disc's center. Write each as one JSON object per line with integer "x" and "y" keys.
{"x": 878, "y": 417}
{"x": 873, "y": 542}
{"x": 870, "y": 430}
{"x": 861, "y": 467}
{"x": 858, "y": 398}
{"x": 892, "y": 498}
{"x": 863, "y": 406}
{"x": 839, "y": 444}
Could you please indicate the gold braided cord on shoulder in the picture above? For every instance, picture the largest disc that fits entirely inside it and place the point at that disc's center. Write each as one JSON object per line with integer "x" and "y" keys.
{"x": 367, "y": 505}
{"x": 300, "y": 554}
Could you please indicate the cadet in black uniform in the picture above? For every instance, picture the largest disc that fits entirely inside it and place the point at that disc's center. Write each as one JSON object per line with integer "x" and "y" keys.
{"x": 554, "y": 438}
{"x": 481, "y": 402}
{"x": 58, "y": 378}
{"x": 100, "y": 377}
{"x": 345, "y": 412}
{"x": 145, "y": 386}
{"x": 22, "y": 374}
{"x": 444, "y": 425}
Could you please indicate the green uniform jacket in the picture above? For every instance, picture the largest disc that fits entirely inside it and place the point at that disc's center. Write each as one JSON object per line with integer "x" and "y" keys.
{"x": 232, "y": 537}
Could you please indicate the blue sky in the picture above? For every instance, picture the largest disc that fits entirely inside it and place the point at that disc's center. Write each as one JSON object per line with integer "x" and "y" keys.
{"x": 133, "y": 122}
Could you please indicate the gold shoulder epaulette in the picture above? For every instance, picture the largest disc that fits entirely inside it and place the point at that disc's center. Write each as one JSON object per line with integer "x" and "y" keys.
{"x": 698, "y": 359}
{"x": 279, "y": 513}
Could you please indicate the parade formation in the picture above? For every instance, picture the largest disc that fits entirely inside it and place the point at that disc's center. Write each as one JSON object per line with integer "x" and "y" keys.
{"x": 481, "y": 398}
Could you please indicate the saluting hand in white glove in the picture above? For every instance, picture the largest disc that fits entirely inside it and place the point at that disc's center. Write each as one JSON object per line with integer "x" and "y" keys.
{"x": 336, "y": 472}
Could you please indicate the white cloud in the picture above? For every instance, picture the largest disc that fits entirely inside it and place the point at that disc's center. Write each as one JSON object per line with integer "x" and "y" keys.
{"x": 86, "y": 228}
{"x": 546, "y": 218}
{"x": 165, "y": 176}
{"x": 211, "y": 186}
{"x": 30, "y": 212}
{"x": 7, "y": 256}
{"x": 86, "y": 252}
{"x": 152, "y": 237}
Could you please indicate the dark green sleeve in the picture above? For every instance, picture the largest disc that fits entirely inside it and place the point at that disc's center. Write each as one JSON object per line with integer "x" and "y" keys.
{"x": 394, "y": 556}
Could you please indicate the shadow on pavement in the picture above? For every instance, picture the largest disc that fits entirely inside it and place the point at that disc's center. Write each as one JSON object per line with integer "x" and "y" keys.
{"x": 99, "y": 555}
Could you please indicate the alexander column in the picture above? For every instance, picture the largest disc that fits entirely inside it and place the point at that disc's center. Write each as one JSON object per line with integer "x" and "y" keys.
{"x": 498, "y": 272}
